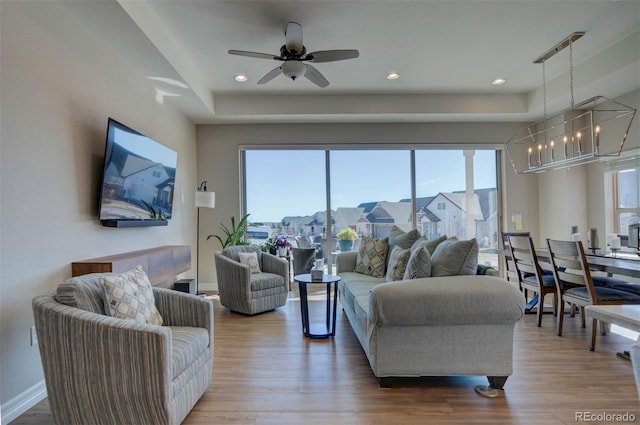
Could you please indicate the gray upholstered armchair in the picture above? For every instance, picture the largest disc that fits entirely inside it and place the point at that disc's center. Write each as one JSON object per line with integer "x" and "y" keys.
{"x": 251, "y": 293}
{"x": 104, "y": 370}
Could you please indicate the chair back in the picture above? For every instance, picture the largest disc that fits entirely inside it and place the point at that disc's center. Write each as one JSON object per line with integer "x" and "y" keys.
{"x": 303, "y": 242}
{"x": 510, "y": 268}
{"x": 303, "y": 260}
{"x": 84, "y": 292}
{"x": 570, "y": 266}
{"x": 524, "y": 258}
{"x": 233, "y": 251}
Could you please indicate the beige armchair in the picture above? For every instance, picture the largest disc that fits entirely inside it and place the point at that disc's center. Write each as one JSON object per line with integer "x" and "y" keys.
{"x": 251, "y": 293}
{"x": 104, "y": 370}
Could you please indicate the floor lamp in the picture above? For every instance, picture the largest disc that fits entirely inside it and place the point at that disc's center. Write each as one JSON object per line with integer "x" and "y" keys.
{"x": 204, "y": 199}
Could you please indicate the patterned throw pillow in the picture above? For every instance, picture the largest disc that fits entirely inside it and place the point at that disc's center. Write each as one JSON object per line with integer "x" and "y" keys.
{"x": 419, "y": 264}
{"x": 372, "y": 256}
{"x": 453, "y": 257}
{"x": 129, "y": 296}
{"x": 398, "y": 260}
{"x": 250, "y": 259}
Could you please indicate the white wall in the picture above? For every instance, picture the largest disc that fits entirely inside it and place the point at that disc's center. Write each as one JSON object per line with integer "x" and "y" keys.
{"x": 218, "y": 159}
{"x": 60, "y": 83}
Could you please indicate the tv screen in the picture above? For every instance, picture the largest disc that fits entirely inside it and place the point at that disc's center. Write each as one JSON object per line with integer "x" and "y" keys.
{"x": 138, "y": 179}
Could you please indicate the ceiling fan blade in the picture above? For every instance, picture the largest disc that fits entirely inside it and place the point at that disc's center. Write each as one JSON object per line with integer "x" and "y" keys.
{"x": 293, "y": 38}
{"x": 332, "y": 55}
{"x": 271, "y": 75}
{"x": 253, "y": 54}
{"x": 316, "y": 77}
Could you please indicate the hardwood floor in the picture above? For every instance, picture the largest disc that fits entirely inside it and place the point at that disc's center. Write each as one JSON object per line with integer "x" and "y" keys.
{"x": 267, "y": 373}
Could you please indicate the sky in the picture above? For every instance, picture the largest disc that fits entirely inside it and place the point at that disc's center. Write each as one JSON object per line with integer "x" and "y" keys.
{"x": 146, "y": 147}
{"x": 292, "y": 183}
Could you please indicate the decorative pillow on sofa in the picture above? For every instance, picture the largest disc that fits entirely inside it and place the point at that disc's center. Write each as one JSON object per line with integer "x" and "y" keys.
{"x": 419, "y": 264}
{"x": 250, "y": 259}
{"x": 454, "y": 257}
{"x": 398, "y": 237}
{"x": 398, "y": 259}
{"x": 372, "y": 256}
{"x": 129, "y": 296}
{"x": 430, "y": 244}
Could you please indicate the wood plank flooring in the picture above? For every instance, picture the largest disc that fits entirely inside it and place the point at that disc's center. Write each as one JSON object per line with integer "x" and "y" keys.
{"x": 267, "y": 373}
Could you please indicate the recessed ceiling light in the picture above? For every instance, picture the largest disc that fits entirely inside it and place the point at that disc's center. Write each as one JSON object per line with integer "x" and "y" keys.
{"x": 393, "y": 76}
{"x": 241, "y": 78}
{"x": 498, "y": 81}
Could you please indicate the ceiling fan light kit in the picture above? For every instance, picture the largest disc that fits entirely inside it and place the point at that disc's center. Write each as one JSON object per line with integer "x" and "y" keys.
{"x": 293, "y": 69}
{"x": 589, "y": 131}
{"x": 294, "y": 55}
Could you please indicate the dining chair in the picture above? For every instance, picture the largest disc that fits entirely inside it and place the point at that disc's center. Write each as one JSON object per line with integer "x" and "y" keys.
{"x": 525, "y": 261}
{"x": 575, "y": 284}
{"x": 510, "y": 269}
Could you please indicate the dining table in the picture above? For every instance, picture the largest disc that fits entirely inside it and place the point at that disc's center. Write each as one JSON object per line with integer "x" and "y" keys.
{"x": 626, "y": 264}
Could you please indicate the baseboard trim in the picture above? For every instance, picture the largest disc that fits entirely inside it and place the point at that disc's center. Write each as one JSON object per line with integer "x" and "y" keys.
{"x": 23, "y": 402}
{"x": 213, "y": 287}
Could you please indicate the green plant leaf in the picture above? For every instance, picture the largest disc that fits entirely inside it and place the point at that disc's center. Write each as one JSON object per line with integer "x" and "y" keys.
{"x": 236, "y": 235}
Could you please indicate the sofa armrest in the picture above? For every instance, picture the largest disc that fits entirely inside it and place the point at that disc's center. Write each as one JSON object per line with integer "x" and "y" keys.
{"x": 72, "y": 341}
{"x": 346, "y": 261}
{"x": 181, "y": 309}
{"x": 233, "y": 277}
{"x": 450, "y": 300}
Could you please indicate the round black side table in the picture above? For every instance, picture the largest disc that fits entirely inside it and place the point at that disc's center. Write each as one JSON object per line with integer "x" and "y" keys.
{"x": 327, "y": 329}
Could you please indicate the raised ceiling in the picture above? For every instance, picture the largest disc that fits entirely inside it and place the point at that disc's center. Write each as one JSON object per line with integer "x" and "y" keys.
{"x": 446, "y": 52}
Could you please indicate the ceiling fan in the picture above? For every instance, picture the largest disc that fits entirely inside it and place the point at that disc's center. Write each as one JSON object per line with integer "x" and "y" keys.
{"x": 294, "y": 55}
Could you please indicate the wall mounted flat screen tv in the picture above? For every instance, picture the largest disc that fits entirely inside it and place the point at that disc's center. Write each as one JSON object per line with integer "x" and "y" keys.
{"x": 138, "y": 179}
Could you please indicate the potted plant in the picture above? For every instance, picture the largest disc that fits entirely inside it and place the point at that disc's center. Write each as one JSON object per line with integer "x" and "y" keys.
{"x": 346, "y": 237}
{"x": 236, "y": 235}
{"x": 269, "y": 247}
{"x": 282, "y": 245}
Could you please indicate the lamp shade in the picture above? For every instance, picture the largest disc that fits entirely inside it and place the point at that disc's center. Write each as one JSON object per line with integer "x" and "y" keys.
{"x": 205, "y": 199}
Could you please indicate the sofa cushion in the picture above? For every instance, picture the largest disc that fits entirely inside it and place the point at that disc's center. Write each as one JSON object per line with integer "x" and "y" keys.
{"x": 419, "y": 264}
{"x": 398, "y": 259}
{"x": 361, "y": 307}
{"x": 129, "y": 296}
{"x": 250, "y": 259}
{"x": 372, "y": 256}
{"x": 352, "y": 277}
{"x": 430, "y": 244}
{"x": 354, "y": 290}
{"x": 454, "y": 257}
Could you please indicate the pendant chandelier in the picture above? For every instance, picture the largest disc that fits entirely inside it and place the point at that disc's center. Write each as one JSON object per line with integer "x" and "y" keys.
{"x": 585, "y": 132}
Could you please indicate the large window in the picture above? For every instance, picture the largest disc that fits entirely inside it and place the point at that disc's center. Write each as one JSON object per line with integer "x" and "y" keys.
{"x": 626, "y": 205}
{"x": 441, "y": 192}
{"x": 371, "y": 191}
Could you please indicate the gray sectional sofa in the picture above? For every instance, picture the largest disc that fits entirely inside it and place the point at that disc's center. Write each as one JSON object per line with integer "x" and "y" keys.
{"x": 432, "y": 326}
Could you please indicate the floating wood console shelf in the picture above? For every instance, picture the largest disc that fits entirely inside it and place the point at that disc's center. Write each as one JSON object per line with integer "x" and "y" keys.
{"x": 160, "y": 264}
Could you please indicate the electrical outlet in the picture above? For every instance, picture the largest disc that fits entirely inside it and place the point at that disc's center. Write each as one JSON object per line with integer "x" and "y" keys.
{"x": 34, "y": 336}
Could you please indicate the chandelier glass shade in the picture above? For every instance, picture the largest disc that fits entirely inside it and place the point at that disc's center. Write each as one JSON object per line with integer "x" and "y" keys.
{"x": 591, "y": 130}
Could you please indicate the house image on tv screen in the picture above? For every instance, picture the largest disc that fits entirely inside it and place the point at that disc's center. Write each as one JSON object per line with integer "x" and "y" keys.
{"x": 135, "y": 187}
